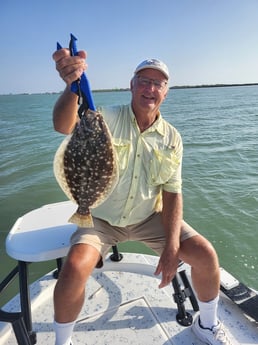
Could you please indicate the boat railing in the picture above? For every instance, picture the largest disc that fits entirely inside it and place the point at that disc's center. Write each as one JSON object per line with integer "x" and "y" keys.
{"x": 22, "y": 321}
{"x": 15, "y": 318}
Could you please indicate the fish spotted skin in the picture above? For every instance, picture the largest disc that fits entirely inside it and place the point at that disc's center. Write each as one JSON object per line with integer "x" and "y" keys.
{"x": 85, "y": 166}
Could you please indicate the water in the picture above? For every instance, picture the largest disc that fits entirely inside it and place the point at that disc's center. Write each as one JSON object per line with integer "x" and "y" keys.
{"x": 219, "y": 127}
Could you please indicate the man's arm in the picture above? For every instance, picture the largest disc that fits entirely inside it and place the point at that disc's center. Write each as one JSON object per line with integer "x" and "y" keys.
{"x": 70, "y": 68}
{"x": 172, "y": 215}
{"x": 65, "y": 112}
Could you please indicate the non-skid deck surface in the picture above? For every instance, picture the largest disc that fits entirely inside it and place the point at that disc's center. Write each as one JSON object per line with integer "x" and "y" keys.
{"x": 123, "y": 305}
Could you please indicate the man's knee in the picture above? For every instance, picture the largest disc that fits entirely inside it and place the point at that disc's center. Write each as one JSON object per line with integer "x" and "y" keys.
{"x": 197, "y": 250}
{"x": 81, "y": 260}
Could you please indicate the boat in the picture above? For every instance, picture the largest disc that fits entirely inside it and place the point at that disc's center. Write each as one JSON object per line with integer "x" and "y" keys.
{"x": 123, "y": 304}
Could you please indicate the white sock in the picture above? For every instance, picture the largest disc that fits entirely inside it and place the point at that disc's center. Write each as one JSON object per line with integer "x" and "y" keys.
{"x": 208, "y": 313}
{"x": 63, "y": 332}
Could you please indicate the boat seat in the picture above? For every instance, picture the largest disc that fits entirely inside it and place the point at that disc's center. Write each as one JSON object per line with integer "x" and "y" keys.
{"x": 31, "y": 240}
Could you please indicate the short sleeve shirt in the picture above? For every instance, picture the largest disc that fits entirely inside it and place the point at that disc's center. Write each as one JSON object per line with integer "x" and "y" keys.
{"x": 149, "y": 162}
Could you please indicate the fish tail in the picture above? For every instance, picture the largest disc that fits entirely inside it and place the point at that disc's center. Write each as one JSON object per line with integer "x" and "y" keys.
{"x": 82, "y": 220}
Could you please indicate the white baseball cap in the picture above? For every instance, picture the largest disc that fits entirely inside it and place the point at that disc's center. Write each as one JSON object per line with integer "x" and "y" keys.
{"x": 154, "y": 64}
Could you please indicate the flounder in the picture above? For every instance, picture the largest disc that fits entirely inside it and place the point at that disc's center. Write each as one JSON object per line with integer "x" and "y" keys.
{"x": 85, "y": 166}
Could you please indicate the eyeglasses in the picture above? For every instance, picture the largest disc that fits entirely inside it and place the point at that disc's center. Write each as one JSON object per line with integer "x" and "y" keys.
{"x": 158, "y": 84}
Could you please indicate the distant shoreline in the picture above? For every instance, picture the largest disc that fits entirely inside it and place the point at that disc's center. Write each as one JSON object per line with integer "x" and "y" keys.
{"x": 212, "y": 85}
{"x": 128, "y": 89}
{"x": 183, "y": 87}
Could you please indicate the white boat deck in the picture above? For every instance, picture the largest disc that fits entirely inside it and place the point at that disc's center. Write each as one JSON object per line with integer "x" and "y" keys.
{"x": 124, "y": 305}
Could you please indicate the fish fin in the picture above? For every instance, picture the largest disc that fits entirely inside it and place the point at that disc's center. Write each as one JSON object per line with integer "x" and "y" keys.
{"x": 58, "y": 166}
{"x": 82, "y": 220}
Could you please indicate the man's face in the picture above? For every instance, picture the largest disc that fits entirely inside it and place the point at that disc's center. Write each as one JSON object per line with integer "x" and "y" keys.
{"x": 149, "y": 89}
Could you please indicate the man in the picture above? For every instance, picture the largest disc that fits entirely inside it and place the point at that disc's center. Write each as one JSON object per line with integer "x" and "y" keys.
{"x": 146, "y": 204}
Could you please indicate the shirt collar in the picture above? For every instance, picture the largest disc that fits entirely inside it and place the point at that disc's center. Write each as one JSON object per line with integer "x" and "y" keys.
{"x": 157, "y": 125}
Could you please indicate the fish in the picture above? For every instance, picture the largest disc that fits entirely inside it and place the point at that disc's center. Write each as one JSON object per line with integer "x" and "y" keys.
{"x": 85, "y": 166}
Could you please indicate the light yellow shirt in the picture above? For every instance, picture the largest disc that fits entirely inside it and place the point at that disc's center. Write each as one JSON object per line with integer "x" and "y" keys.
{"x": 149, "y": 162}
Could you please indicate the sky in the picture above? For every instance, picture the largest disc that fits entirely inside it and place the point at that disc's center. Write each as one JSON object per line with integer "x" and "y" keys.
{"x": 201, "y": 41}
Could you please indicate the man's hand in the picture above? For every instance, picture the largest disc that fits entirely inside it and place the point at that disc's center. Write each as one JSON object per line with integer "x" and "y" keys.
{"x": 70, "y": 68}
{"x": 167, "y": 266}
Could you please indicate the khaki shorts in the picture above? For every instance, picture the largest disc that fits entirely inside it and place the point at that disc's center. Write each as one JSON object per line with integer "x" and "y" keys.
{"x": 151, "y": 232}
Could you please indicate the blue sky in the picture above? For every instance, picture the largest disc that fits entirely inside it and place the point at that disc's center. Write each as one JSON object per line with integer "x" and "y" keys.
{"x": 202, "y": 41}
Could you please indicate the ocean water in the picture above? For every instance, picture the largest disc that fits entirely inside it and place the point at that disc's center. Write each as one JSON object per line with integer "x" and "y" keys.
{"x": 219, "y": 127}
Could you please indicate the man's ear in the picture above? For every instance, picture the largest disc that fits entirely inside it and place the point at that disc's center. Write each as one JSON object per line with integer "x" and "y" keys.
{"x": 166, "y": 93}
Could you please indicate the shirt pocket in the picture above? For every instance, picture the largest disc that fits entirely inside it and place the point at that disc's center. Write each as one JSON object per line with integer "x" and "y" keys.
{"x": 122, "y": 148}
{"x": 163, "y": 165}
